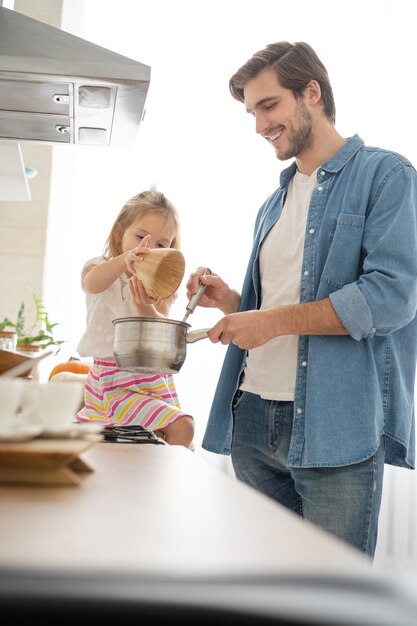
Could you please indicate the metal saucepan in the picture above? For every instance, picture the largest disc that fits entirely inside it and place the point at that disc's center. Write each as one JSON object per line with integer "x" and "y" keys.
{"x": 153, "y": 344}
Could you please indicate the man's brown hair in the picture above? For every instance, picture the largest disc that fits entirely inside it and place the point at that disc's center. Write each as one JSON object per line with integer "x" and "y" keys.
{"x": 295, "y": 65}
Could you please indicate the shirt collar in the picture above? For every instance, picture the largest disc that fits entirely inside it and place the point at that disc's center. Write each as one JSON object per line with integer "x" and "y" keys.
{"x": 333, "y": 165}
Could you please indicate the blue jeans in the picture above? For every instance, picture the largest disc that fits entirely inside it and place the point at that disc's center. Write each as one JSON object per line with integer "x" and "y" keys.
{"x": 342, "y": 500}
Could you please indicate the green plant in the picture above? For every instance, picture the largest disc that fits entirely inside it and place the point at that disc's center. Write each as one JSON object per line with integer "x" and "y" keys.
{"x": 6, "y": 323}
{"x": 40, "y": 333}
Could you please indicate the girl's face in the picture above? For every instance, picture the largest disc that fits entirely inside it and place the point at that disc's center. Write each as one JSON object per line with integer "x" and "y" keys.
{"x": 161, "y": 230}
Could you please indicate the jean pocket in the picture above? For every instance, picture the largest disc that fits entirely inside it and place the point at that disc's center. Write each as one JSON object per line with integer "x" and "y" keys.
{"x": 238, "y": 397}
{"x": 279, "y": 426}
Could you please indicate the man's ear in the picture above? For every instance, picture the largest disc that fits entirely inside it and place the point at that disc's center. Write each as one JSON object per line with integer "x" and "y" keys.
{"x": 313, "y": 92}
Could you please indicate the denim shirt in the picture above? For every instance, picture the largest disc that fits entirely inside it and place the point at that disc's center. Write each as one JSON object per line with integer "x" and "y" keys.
{"x": 360, "y": 250}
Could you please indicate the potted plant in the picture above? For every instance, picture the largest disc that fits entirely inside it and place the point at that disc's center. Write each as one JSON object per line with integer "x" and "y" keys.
{"x": 38, "y": 336}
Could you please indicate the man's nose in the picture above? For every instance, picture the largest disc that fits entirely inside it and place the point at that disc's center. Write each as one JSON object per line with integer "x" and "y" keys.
{"x": 261, "y": 123}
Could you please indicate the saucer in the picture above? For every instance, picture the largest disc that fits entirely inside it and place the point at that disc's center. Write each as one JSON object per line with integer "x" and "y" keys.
{"x": 19, "y": 432}
{"x": 72, "y": 431}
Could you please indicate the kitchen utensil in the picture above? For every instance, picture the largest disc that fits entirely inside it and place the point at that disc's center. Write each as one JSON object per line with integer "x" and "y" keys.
{"x": 154, "y": 344}
{"x": 161, "y": 271}
{"x": 192, "y": 303}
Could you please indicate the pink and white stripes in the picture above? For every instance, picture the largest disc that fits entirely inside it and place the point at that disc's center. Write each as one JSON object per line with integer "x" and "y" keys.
{"x": 116, "y": 397}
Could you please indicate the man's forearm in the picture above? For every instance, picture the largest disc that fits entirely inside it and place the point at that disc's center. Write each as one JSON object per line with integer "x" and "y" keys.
{"x": 231, "y": 305}
{"x": 307, "y": 318}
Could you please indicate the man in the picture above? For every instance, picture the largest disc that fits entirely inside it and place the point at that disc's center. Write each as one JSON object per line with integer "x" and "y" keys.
{"x": 317, "y": 387}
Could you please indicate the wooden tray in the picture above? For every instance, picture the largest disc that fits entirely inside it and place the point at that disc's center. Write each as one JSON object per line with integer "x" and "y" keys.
{"x": 9, "y": 359}
{"x": 44, "y": 462}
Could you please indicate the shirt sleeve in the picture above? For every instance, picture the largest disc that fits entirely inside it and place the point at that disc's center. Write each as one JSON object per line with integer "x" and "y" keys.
{"x": 384, "y": 298}
{"x": 87, "y": 265}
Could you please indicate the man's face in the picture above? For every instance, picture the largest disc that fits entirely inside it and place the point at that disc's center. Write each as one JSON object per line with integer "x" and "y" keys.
{"x": 284, "y": 121}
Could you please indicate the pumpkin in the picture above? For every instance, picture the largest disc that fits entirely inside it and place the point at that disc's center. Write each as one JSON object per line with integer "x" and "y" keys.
{"x": 75, "y": 366}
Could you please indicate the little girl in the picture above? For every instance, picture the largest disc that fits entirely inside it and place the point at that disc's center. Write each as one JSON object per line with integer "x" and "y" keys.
{"x": 112, "y": 396}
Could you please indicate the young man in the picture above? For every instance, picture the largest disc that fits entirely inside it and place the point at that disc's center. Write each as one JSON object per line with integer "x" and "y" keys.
{"x": 317, "y": 387}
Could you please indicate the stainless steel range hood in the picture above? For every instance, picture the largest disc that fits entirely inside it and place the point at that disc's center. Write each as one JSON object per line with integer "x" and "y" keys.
{"x": 58, "y": 88}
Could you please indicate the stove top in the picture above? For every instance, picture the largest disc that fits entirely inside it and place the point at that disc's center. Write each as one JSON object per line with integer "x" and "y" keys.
{"x": 130, "y": 434}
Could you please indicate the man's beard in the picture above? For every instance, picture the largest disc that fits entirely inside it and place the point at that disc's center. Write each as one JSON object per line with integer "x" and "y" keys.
{"x": 299, "y": 138}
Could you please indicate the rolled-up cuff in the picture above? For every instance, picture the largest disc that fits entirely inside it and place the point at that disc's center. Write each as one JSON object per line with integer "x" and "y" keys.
{"x": 353, "y": 310}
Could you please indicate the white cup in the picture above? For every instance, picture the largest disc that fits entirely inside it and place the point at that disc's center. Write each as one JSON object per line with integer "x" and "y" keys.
{"x": 10, "y": 395}
{"x": 54, "y": 405}
{"x": 61, "y": 402}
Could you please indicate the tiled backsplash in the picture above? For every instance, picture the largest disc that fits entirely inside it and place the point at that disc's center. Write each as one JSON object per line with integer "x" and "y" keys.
{"x": 23, "y": 236}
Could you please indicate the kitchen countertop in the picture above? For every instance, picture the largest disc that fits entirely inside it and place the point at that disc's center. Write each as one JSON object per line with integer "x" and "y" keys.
{"x": 156, "y": 531}
{"x": 155, "y": 508}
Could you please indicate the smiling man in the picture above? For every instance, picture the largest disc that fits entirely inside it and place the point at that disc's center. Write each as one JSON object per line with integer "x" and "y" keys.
{"x": 316, "y": 392}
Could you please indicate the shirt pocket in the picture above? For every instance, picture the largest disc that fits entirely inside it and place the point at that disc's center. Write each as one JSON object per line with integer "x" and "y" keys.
{"x": 344, "y": 259}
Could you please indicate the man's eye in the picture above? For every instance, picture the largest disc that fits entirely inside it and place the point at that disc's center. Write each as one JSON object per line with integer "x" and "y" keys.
{"x": 269, "y": 107}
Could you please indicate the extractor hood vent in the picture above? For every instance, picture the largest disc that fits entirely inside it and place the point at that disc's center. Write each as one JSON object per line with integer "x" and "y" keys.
{"x": 58, "y": 88}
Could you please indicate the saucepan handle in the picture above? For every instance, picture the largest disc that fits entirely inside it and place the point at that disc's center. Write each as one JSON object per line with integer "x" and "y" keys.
{"x": 195, "y": 335}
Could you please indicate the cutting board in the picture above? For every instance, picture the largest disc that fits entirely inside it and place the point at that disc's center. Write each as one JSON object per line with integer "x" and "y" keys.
{"x": 44, "y": 462}
{"x": 9, "y": 359}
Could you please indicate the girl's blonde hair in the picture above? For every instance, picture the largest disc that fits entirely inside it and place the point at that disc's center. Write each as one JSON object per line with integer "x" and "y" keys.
{"x": 145, "y": 202}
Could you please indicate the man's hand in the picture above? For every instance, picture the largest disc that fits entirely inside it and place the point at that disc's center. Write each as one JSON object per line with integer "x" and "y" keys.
{"x": 247, "y": 330}
{"x": 251, "y": 329}
{"x": 217, "y": 293}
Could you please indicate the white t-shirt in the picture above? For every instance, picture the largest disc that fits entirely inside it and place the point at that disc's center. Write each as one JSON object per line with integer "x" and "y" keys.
{"x": 270, "y": 370}
{"x": 102, "y": 308}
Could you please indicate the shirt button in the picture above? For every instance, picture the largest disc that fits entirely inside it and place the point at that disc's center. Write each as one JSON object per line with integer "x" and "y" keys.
{"x": 322, "y": 172}
{"x": 311, "y": 231}
{"x": 299, "y": 411}
{"x": 304, "y": 363}
{"x": 320, "y": 188}
{"x": 306, "y": 273}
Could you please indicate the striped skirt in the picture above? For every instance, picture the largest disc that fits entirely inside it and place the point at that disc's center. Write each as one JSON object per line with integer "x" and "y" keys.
{"x": 115, "y": 397}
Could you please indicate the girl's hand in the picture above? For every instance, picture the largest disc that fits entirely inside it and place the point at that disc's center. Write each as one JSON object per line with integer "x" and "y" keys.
{"x": 136, "y": 254}
{"x": 145, "y": 304}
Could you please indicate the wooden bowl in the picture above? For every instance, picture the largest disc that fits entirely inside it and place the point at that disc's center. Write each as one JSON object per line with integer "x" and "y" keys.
{"x": 161, "y": 271}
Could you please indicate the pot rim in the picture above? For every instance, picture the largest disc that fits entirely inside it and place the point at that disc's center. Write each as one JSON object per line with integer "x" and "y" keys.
{"x": 163, "y": 320}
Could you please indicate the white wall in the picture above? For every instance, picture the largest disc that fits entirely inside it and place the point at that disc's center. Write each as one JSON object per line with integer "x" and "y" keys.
{"x": 23, "y": 224}
{"x": 199, "y": 146}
